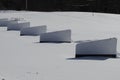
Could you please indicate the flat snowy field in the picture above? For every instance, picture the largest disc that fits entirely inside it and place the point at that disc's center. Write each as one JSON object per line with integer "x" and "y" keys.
{"x": 24, "y": 58}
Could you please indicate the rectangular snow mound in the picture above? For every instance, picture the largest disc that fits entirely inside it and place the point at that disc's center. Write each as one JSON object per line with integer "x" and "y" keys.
{"x": 56, "y": 37}
{"x": 105, "y": 47}
{"x": 33, "y": 31}
{"x": 3, "y": 21}
{"x": 18, "y": 26}
{"x": 7, "y": 23}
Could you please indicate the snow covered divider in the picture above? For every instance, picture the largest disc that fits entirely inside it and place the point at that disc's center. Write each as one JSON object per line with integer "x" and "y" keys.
{"x": 56, "y": 37}
{"x": 18, "y": 26}
{"x": 33, "y": 31}
{"x": 3, "y": 22}
{"x": 105, "y": 47}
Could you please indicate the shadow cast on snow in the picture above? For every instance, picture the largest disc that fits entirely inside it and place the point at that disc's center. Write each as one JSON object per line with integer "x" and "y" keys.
{"x": 91, "y": 58}
{"x": 29, "y": 35}
{"x": 50, "y": 42}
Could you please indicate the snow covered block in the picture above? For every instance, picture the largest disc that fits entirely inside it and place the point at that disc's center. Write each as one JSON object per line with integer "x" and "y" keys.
{"x": 106, "y": 47}
{"x": 18, "y": 26}
{"x": 34, "y": 31}
{"x": 56, "y": 37}
{"x": 6, "y": 22}
{"x": 3, "y": 21}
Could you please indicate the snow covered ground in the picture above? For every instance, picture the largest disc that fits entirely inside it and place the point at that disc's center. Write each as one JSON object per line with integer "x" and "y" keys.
{"x": 24, "y": 58}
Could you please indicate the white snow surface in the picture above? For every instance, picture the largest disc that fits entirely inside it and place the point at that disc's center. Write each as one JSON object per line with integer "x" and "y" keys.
{"x": 24, "y": 58}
